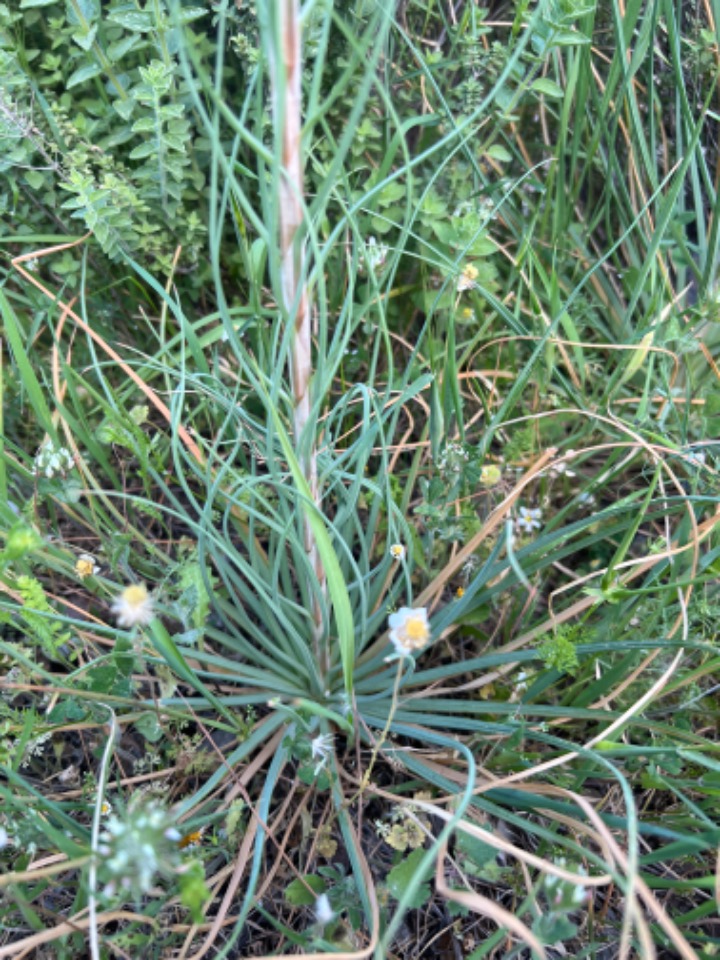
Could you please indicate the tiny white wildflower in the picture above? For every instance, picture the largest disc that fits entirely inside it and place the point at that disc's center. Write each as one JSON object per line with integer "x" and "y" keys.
{"x": 4, "y": 838}
{"x": 50, "y": 460}
{"x": 561, "y": 468}
{"x": 397, "y": 551}
{"x": 321, "y": 748}
{"x": 529, "y": 519}
{"x": 323, "y": 911}
{"x": 452, "y": 460}
{"x": 409, "y": 631}
{"x": 35, "y": 747}
{"x": 139, "y": 846}
{"x": 134, "y": 606}
{"x": 374, "y": 256}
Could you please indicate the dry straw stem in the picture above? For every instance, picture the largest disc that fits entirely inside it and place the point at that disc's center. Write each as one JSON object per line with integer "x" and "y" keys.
{"x": 287, "y": 100}
{"x": 480, "y": 904}
{"x": 29, "y": 946}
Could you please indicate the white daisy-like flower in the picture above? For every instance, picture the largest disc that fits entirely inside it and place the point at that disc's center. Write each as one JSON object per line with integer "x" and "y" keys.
{"x": 321, "y": 748}
{"x": 397, "y": 551}
{"x": 323, "y": 911}
{"x": 134, "y": 606}
{"x": 529, "y": 519}
{"x": 409, "y": 630}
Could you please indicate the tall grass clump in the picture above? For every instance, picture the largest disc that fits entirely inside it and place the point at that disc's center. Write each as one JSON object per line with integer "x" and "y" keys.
{"x": 358, "y": 489}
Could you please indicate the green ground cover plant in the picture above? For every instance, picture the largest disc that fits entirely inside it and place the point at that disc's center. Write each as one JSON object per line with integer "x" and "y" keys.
{"x": 358, "y": 479}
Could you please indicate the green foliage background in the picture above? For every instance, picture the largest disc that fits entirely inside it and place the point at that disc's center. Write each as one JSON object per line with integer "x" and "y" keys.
{"x": 511, "y": 227}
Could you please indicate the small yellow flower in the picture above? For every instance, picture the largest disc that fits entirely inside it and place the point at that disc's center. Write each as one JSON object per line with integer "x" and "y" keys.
{"x": 134, "y": 606}
{"x": 490, "y": 475}
{"x": 397, "y": 551}
{"x": 85, "y": 566}
{"x": 191, "y": 839}
{"x": 460, "y": 593}
{"x": 467, "y": 278}
{"x": 409, "y": 630}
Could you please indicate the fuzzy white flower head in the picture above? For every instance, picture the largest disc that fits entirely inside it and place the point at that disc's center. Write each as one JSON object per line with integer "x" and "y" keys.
{"x": 51, "y": 460}
{"x": 409, "y": 631}
{"x": 321, "y": 748}
{"x": 397, "y": 551}
{"x": 134, "y": 606}
{"x": 137, "y": 846}
{"x": 323, "y": 911}
{"x": 529, "y": 519}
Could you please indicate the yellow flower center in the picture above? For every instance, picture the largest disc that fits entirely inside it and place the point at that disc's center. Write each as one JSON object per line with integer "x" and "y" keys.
{"x": 135, "y": 596}
{"x": 416, "y": 630}
{"x": 190, "y": 839}
{"x": 84, "y": 568}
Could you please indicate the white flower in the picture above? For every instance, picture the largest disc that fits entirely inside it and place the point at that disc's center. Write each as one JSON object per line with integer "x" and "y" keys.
{"x": 561, "y": 469}
{"x": 4, "y": 838}
{"x": 323, "y": 911}
{"x": 137, "y": 847}
{"x": 374, "y": 256}
{"x": 397, "y": 551}
{"x": 409, "y": 631}
{"x": 528, "y": 520}
{"x": 50, "y": 460}
{"x": 321, "y": 748}
{"x": 35, "y": 747}
{"x": 134, "y": 606}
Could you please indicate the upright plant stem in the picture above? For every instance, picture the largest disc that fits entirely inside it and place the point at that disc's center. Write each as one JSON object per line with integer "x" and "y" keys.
{"x": 287, "y": 82}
